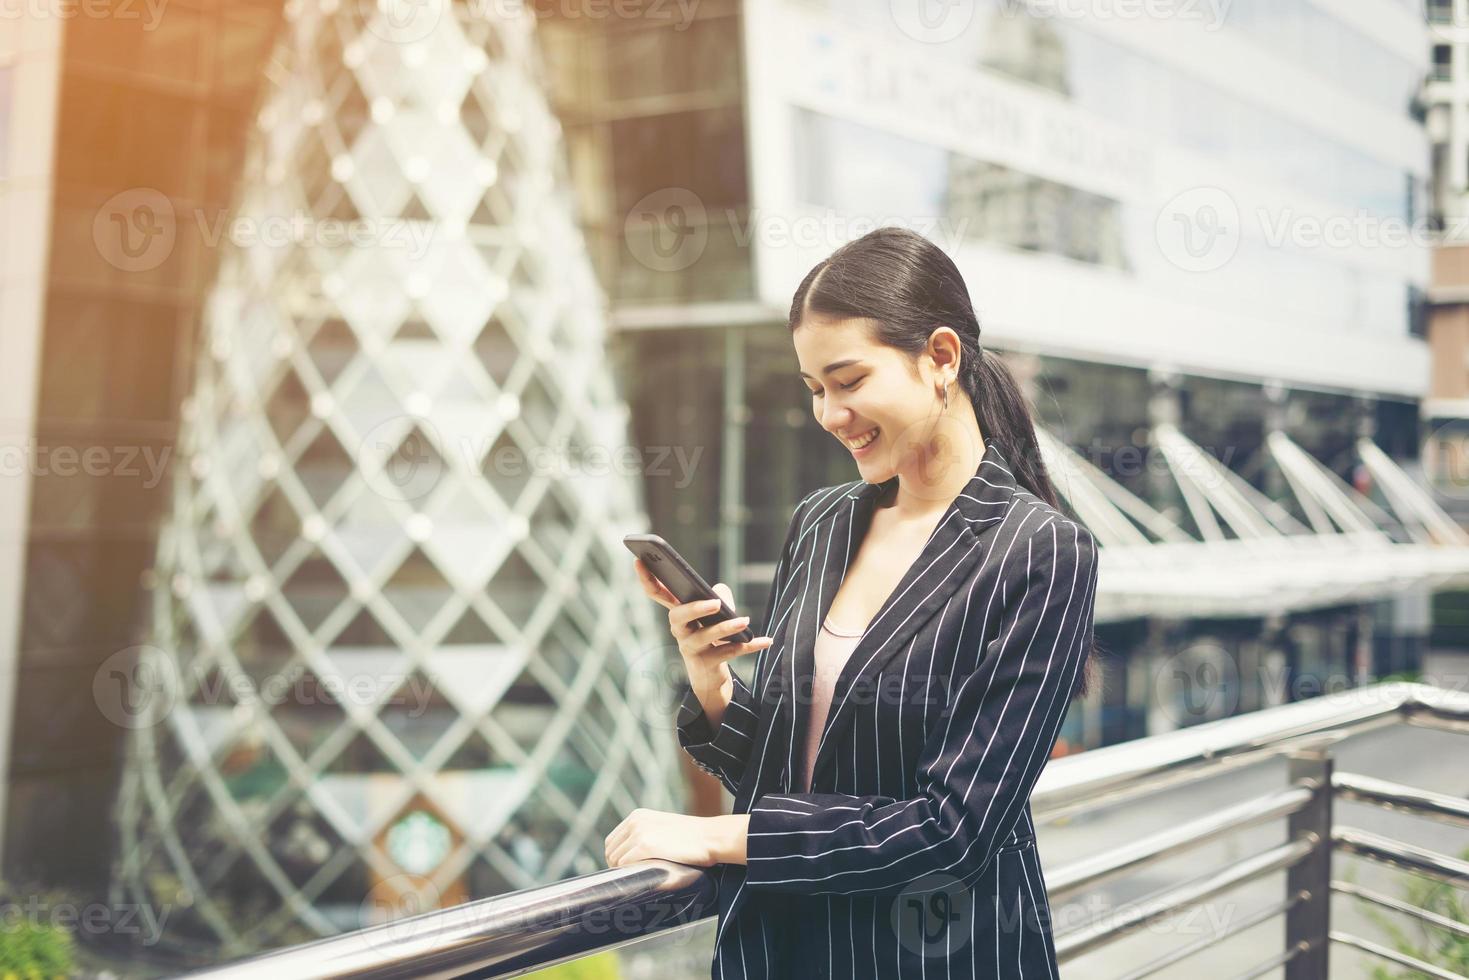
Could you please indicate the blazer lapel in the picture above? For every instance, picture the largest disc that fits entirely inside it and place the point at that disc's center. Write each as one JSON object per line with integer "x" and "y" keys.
{"x": 946, "y": 562}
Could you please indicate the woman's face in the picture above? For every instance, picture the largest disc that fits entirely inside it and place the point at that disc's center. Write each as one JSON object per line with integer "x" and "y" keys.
{"x": 871, "y": 397}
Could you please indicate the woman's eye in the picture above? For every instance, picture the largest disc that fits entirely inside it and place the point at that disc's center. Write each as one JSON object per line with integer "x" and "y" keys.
{"x": 846, "y": 387}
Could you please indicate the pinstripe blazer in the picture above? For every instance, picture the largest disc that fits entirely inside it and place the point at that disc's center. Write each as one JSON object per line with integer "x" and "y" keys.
{"x": 914, "y": 853}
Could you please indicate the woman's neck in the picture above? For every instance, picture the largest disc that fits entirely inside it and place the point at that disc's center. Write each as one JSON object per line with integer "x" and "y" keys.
{"x": 937, "y": 471}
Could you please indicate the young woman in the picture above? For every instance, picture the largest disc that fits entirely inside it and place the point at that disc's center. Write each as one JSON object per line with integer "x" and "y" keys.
{"x": 927, "y": 627}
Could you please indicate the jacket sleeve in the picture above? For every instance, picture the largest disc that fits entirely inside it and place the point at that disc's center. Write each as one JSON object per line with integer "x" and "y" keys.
{"x": 724, "y": 752}
{"x": 978, "y": 767}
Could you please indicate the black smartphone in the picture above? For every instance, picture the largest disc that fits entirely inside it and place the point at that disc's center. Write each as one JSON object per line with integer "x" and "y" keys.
{"x": 679, "y": 577}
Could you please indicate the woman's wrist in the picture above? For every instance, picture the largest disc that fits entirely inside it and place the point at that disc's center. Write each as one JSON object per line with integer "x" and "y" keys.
{"x": 727, "y": 835}
{"x": 713, "y": 688}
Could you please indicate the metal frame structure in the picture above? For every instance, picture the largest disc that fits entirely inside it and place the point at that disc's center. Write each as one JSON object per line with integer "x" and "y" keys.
{"x": 381, "y": 672}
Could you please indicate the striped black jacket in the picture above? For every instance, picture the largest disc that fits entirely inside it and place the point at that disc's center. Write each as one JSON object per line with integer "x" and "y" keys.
{"x": 914, "y": 854}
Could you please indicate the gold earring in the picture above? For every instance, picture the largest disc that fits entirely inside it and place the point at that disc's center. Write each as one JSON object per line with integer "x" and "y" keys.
{"x": 946, "y": 397}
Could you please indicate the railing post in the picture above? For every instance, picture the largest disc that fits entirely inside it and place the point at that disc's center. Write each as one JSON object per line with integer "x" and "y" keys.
{"x": 1308, "y": 922}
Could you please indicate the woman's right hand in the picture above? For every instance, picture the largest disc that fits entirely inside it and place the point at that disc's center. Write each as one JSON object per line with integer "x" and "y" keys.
{"x": 704, "y": 649}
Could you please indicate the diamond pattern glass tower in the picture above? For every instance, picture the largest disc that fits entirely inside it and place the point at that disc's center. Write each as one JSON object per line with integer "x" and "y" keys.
{"x": 397, "y": 660}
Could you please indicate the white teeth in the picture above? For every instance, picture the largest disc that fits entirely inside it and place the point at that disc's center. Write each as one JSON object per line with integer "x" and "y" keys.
{"x": 859, "y": 443}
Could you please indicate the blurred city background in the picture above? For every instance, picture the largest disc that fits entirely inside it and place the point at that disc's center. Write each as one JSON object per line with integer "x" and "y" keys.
{"x": 343, "y": 340}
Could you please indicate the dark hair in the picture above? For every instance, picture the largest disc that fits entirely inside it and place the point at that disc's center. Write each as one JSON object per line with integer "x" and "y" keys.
{"x": 908, "y": 286}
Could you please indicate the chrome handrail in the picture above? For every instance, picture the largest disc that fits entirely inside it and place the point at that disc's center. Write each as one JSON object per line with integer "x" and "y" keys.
{"x": 503, "y": 936}
{"x": 1167, "y": 904}
{"x": 539, "y": 927}
{"x": 1091, "y": 872}
{"x": 1122, "y": 772}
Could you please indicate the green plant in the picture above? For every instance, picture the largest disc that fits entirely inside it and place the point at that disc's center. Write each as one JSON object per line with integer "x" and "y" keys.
{"x": 33, "y": 951}
{"x": 598, "y": 966}
{"x": 1434, "y": 945}
{"x": 1410, "y": 676}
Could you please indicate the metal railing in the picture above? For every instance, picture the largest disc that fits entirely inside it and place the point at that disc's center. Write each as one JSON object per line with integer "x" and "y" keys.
{"x": 512, "y": 934}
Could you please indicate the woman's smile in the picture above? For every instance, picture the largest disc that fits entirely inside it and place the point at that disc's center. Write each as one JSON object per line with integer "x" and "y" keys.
{"x": 862, "y": 443}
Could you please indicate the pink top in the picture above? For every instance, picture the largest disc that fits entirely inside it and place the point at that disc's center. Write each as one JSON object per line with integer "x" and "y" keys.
{"x": 833, "y": 647}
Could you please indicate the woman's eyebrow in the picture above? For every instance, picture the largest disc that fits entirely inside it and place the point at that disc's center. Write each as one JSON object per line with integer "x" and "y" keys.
{"x": 833, "y": 366}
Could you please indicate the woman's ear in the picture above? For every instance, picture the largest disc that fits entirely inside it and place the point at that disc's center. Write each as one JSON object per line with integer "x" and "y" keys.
{"x": 944, "y": 350}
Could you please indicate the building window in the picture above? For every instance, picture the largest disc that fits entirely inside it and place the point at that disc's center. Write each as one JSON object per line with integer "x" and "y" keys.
{"x": 1417, "y": 312}
{"x": 1443, "y": 60}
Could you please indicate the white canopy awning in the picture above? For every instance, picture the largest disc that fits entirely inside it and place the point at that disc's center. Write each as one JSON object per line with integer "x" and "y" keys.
{"x": 1249, "y": 555}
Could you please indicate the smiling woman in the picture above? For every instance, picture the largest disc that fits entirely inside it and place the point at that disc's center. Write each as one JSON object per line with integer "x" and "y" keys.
{"x": 927, "y": 627}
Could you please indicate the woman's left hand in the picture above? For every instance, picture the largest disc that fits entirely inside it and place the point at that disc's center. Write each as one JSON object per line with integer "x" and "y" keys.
{"x": 701, "y": 841}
